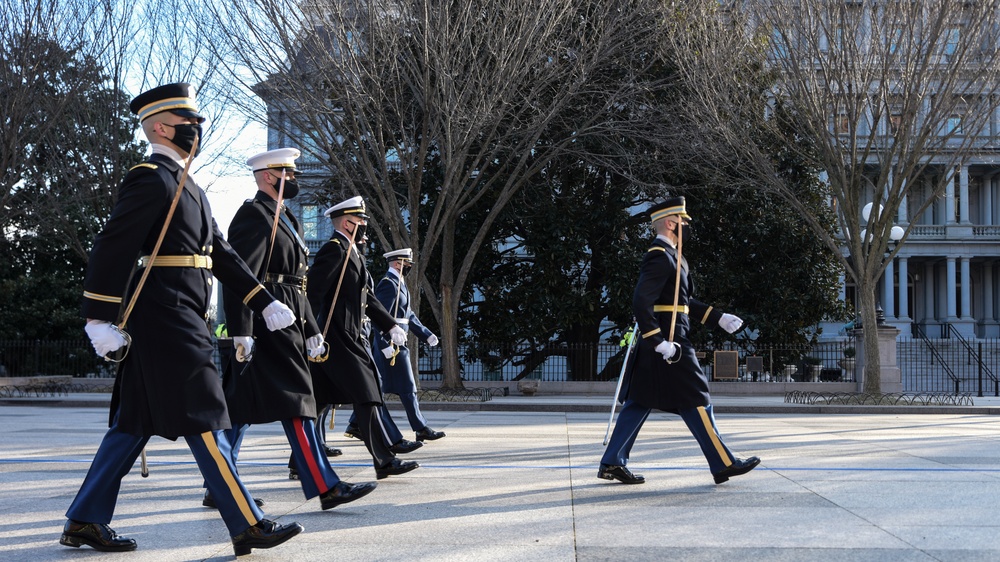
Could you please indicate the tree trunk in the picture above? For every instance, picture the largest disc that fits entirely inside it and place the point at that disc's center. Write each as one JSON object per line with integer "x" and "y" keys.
{"x": 450, "y": 367}
{"x": 873, "y": 371}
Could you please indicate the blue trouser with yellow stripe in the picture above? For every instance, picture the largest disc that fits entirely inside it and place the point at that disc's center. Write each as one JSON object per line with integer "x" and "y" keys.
{"x": 95, "y": 502}
{"x": 699, "y": 420}
{"x": 315, "y": 473}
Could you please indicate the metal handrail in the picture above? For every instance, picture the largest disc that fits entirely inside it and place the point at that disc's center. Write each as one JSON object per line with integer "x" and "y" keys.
{"x": 979, "y": 360}
{"x": 940, "y": 358}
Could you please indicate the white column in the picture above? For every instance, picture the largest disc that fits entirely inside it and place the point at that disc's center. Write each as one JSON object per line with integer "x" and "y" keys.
{"x": 949, "y": 199}
{"x": 929, "y": 213}
{"x": 963, "y": 194}
{"x": 930, "y": 287}
{"x": 952, "y": 311}
{"x": 988, "y": 316}
{"x": 987, "y": 203}
{"x": 888, "y": 293}
{"x": 904, "y": 294}
{"x": 966, "y": 290}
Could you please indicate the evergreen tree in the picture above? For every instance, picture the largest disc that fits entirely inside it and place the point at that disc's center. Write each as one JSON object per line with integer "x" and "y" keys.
{"x": 72, "y": 147}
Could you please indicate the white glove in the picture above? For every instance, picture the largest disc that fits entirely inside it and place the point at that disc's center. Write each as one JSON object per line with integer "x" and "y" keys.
{"x": 104, "y": 337}
{"x": 730, "y": 323}
{"x": 432, "y": 340}
{"x": 244, "y": 347}
{"x": 668, "y": 349}
{"x": 387, "y": 351}
{"x": 277, "y": 316}
{"x": 398, "y": 336}
{"x": 315, "y": 346}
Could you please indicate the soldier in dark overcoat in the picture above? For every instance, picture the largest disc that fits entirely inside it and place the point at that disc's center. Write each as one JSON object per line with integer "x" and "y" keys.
{"x": 394, "y": 362}
{"x": 275, "y": 384}
{"x": 399, "y": 445}
{"x": 167, "y": 384}
{"x": 338, "y": 281}
{"x": 665, "y": 374}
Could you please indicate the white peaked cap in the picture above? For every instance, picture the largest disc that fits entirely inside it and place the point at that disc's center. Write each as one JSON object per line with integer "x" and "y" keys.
{"x": 353, "y": 206}
{"x": 403, "y": 254}
{"x": 273, "y": 159}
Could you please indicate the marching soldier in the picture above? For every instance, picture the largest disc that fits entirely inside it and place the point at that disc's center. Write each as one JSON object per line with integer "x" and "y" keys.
{"x": 665, "y": 374}
{"x": 167, "y": 384}
{"x": 394, "y": 363}
{"x": 338, "y": 293}
{"x": 270, "y": 379}
{"x": 399, "y": 445}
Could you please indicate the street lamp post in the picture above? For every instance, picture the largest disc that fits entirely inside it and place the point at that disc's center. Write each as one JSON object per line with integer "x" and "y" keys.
{"x": 883, "y": 337}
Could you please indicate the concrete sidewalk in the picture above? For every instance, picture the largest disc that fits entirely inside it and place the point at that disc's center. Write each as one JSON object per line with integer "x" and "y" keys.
{"x": 521, "y": 485}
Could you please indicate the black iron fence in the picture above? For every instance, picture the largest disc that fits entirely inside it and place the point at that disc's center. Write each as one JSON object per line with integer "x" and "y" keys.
{"x": 950, "y": 365}
{"x": 940, "y": 365}
{"x": 31, "y": 358}
{"x": 827, "y": 361}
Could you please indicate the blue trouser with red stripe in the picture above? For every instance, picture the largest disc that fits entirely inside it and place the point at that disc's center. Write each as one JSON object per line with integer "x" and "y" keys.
{"x": 315, "y": 473}
{"x": 95, "y": 502}
{"x": 700, "y": 420}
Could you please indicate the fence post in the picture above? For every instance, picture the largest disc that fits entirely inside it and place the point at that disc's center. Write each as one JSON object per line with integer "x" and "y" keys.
{"x": 980, "y": 361}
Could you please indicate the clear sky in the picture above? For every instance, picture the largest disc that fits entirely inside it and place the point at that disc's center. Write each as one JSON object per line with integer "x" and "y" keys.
{"x": 227, "y": 185}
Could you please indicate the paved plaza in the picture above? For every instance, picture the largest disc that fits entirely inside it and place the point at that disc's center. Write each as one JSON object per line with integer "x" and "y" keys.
{"x": 521, "y": 485}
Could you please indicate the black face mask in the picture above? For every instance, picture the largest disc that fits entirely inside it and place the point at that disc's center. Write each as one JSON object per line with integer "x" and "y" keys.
{"x": 184, "y": 135}
{"x": 291, "y": 188}
{"x": 359, "y": 232}
{"x": 406, "y": 269}
{"x": 685, "y": 233}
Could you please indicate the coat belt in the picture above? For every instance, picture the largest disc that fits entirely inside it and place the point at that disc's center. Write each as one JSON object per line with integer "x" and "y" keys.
{"x": 681, "y": 309}
{"x": 402, "y": 320}
{"x": 197, "y": 261}
{"x": 283, "y": 279}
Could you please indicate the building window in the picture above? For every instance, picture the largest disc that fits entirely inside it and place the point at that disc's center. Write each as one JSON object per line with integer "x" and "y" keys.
{"x": 310, "y": 222}
{"x": 894, "y": 39}
{"x": 895, "y": 120}
{"x": 841, "y": 124}
{"x": 953, "y": 126}
{"x": 952, "y": 37}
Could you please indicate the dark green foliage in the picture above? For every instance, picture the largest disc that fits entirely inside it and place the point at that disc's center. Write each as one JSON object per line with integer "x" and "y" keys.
{"x": 68, "y": 150}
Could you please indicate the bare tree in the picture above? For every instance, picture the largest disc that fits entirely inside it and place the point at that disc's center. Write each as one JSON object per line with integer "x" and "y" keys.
{"x": 433, "y": 109}
{"x": 885, "y": 97}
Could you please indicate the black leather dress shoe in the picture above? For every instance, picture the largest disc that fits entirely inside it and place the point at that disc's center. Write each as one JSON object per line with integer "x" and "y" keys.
{"x": 619, "y": 473}
{"x": 265, "y": 534}
{"x": 395, "y": 467}
{"x": 352, "y": 431}
{"x": 428, "y": 434}
{"x": 739, "y": 466}
{"x": 95, "y": 535}
{"x": 332, "y": 451}
{"x": 209, "y": 501}
{"x": 405, "y": 446}
{"x": 345, "y": 492}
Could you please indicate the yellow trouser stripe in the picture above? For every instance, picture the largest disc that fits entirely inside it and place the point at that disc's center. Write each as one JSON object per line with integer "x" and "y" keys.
{"x": 713, "y": 436}
{"x": 241, "y": 500}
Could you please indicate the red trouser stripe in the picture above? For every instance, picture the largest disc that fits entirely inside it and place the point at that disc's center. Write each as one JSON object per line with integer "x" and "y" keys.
{"x": 307, "y": 452}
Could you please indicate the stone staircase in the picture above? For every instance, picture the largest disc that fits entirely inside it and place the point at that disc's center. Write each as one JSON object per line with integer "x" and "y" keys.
{"x": 949, "y": 367}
